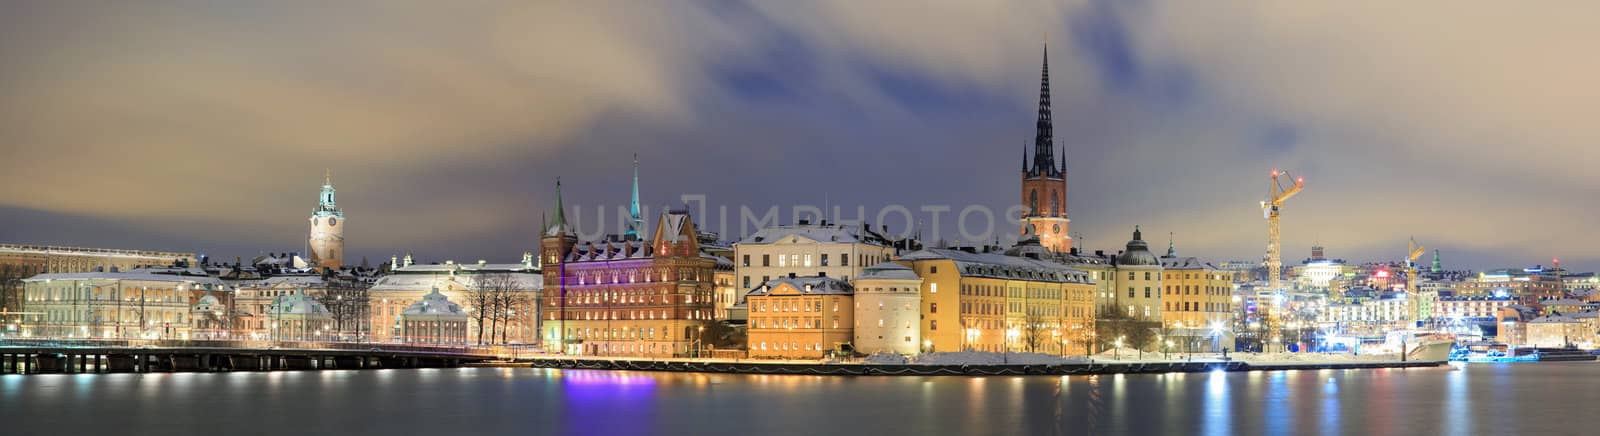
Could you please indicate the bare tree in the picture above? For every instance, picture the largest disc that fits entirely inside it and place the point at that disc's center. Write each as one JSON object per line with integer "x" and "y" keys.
{"x": 11, "y": 288}
{"x": 487, "y": 296}
{"x": 1034, "y": 335}
{"x": 347, "y": 302}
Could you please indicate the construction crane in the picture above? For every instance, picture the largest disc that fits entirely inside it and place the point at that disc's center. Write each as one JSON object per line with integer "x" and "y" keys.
{"x": 1417, "y": 301}
{"x": 1276, "y": 195}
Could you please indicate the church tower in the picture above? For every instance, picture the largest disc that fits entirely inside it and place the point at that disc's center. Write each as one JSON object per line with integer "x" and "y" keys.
{"x": 327, "y": 229}
{"x": 1044, "y": 183}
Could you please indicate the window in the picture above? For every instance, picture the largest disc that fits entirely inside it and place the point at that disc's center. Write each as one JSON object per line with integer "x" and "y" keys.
{"x": 1147, "y": 275}
{"x": 824, "y": 260}
{"x": 1146, "y": 292}
{"x": 933, "y": 269}
{"x": 1130, "y": 290}
{"x": 782, "y": 261}
{"x": 808, "y": 261}
{"x": 1130, "y": 275}
{"x": 844, "y": 259}
{"x": 747, "y": 282}
{"x": 933, "y": 324}
{"x": 766, "y": 260}
{"x": 933, "y": 288}
{"x": 746, "y": 260}
{"x": 933, "y": 307}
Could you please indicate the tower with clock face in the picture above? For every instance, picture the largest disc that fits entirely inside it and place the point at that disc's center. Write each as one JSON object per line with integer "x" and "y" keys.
{"x": 1044, "y": 180}
{"x": 327, "y": 229}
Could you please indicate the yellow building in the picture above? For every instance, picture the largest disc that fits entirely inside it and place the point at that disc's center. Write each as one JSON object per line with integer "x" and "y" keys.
{"x": 994, "y": 302}
{"x": 800, "y": 317}
{"x": 1197, "y": 304}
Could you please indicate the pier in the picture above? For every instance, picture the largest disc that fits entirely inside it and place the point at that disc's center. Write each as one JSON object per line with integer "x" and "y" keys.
{"x": 785, "y": 368}
{"x": 118, "y": 356}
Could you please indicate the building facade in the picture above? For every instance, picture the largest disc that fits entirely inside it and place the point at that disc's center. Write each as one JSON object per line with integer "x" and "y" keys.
{"x": 138, "y": 304}
{"x": 648, "y": 297}
{"x": 434, "y": 320}
{"x": 32, "y": 260}
{"x": 800, "y": 317}
{"x": 993, "y": 302}
{"x": 504, "y": 299}
{"x": 807, "y": 249}
{"x": 888, "y": 299}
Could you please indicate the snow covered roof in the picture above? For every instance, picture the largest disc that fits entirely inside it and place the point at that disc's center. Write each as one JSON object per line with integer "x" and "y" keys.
{"x": 809, "y": 233}
{"x": 1185, "y": 263}
{"x": 807, "y": 285}
{"x": 298, "y": 304}
{"x": 1001, "y": 266}
{"x": 888, "y": 271}
{"x": 136, "y": 274}
{"x": 434, "y": 304}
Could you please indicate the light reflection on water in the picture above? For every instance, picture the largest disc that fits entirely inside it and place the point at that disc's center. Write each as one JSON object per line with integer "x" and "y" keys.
{"x": 1478, "y": 399}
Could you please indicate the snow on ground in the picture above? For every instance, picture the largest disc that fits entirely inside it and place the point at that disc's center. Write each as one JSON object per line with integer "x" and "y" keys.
{"x": 987, "y": 358}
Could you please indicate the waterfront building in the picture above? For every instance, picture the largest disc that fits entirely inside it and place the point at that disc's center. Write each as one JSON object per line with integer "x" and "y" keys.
{"x": 1567, "y": 306}
{"x": 1527, "y": 285}
{"x": 807, "y": 249}
{"x": 974, "y": 301}
{"x": 1197, "y": 303}
{"x": 1367, "y": 316}
{"x": 502, "y": 300}
{"x": 1471, "y": 307}
{"x": 621, "y": 296}
{"x": 800, "y": 317}
{"x": 327, "y": 229}
{"x": 1316, "y": 272}
{"x": 888, "y": 299}
{"x": 253, "y": 299}
{"x": 1554, "y": 331}
{"x": 33, "y": 260}
{"x": 434, "y": 320}
{"x": 141, "y": 303}
{"x": 298, "y": 318}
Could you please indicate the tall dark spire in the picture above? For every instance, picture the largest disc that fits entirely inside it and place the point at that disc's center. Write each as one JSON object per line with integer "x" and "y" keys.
{"x": 1024, "y": 156}
{"x": 1044, "y": 162}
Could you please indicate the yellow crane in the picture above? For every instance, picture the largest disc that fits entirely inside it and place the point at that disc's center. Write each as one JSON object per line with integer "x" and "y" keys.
{"x": 1277, "y": 193}
{"x": 1418, "y": 311}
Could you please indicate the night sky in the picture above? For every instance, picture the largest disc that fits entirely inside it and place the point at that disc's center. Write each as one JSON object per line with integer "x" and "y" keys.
{"x": 206, "y": 126}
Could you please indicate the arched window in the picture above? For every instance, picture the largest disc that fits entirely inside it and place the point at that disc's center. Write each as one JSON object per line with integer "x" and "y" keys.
{"x": 1033, "y": 201}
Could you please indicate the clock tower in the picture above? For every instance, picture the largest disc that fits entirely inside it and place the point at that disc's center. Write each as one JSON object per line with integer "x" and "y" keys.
{"x": 327, "y": 229}
{"x": 1044, "y": 183}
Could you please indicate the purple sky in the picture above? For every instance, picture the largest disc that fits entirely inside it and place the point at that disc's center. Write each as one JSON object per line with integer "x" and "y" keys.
{"x": 206, "y": 126}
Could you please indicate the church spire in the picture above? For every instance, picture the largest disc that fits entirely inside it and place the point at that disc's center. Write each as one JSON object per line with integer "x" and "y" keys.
{"x": 559, "y": 227}
{"x": 635, "y": 221}
{"x": 325, "y": 202}
{"x": 1172, "y": 251}
{"x": 1024, "y": 156}
{"x": 1044, "y": 162}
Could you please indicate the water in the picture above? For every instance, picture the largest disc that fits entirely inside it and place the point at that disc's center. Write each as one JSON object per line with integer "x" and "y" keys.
{"x": 1545, "y": 398}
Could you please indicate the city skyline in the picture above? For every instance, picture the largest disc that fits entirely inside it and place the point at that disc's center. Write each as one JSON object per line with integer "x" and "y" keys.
{"x": 213, "y": 129}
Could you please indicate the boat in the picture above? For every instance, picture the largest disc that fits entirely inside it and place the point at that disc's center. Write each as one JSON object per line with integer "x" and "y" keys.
{"x": 1430, "y": 347}
{"x": 1559, "y": 354}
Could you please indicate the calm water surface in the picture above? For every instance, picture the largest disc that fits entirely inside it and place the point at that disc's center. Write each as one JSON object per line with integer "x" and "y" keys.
{"x": 1547, "y": 398}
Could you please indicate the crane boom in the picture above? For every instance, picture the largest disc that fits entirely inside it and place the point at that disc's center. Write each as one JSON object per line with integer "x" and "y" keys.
{"x": 1277, "y": 193}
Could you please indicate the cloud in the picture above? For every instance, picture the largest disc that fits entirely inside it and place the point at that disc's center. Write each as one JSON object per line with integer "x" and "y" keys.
{"x": 1460, "y": 123}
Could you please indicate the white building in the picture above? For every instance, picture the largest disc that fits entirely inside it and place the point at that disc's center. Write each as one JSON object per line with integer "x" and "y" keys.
{"x": 888, "y": 315}
{"x": 408, "y": 284}
{"x": 298, "y": 318}
{"x": 434, "y": 320}
{"x": 141, "y": 303}
{"x": 807, "y": 250}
